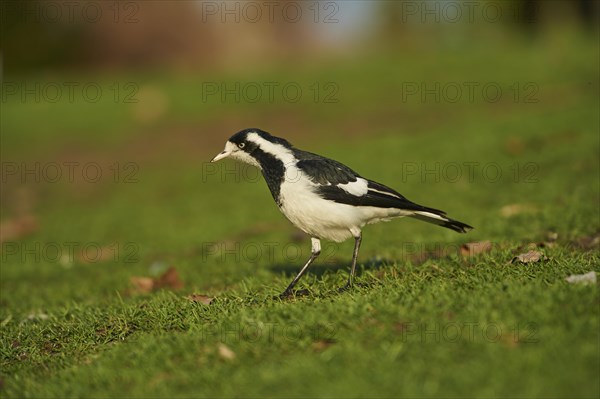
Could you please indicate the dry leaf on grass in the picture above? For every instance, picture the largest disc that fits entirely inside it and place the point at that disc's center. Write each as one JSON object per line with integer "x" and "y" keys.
{"x": 588, "y": 242}
{"x": 549, "y": 242}
{"x": 97, "y": 254}
{"x": 475, "y": 248}
{"x": 204, "y": 299}
{"x": 529, "y": 257}
{"x": 169, "y": 279}
{"x": 18, "y": 228}
{"x": 322, "y": 344}
{"x": 516, "y": 209}
{"x": 142, "y": 284}
{"x": 588, "y": 278}
{"x": 514, "y": 145}
{"x": 225, "y": 352}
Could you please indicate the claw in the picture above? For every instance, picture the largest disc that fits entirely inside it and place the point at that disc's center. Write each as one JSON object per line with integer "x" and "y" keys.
{"x": 345, "y": 288}
{"x": 289, "y": 293}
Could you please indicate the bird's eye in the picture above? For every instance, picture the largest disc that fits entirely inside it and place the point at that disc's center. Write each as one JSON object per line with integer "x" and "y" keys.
{"x": 241, "y": 145}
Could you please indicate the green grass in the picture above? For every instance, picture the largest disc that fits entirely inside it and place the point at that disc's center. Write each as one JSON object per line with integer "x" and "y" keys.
{"x": 421, "y": 323}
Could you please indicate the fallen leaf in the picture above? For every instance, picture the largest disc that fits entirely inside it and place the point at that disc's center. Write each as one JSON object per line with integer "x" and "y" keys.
{"x": 588, "y": 242}
{"x": 169, "y": 279}
{"x": 95, "y": 255}
{"x": 204, "y": 299}
{"x": 142, "y": 284}
{"x": 514, "y": 145}
{"x": 516, "y": 209}
{"x": 529, "y": 257}
{"x": 322, "y": 344}
{"x": 587, "y": 278}
{"x": 18, "y": 228}
{"x": 225, "y": 352}
{"x": 475, "y": 248}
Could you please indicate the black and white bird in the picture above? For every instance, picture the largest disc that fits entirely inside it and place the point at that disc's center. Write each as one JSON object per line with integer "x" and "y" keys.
{"x": 322, "y": 197}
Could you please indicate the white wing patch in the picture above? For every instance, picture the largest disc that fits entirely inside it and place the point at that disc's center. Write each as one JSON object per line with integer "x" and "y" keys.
{"x": 389, "y": 194}
{"x": 358, "y": 188}
{"x": 431, "y": 215}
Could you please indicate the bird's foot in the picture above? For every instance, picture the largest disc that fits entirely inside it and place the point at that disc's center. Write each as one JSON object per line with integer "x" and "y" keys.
{"x": 348, "y": 286}
{"x": 287, "y": 294}
{"x": 345, "y": 288}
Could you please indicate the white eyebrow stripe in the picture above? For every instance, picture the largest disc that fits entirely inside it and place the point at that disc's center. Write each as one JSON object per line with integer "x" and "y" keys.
{"x": 280, "y": 152}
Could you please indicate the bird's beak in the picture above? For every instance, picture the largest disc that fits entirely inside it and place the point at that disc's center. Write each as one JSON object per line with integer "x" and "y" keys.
{"x": 223, "y": 154}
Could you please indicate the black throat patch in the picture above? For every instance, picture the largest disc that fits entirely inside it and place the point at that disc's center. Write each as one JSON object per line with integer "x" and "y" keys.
{"x": 273, "y": 171}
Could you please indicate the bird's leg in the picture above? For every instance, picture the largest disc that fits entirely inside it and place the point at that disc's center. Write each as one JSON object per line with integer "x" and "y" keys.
{"x": 357, "y": 240}
{"x": 315, "y": 251}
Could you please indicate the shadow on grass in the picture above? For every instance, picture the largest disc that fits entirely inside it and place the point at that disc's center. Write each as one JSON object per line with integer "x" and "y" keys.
{"x": 319, "y": 269}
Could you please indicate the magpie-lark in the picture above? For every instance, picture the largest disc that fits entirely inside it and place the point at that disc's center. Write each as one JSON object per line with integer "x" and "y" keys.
{"x": 322, "y": 197}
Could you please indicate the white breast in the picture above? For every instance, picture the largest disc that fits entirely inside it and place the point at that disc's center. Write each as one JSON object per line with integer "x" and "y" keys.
{"x": 322, "y": 218}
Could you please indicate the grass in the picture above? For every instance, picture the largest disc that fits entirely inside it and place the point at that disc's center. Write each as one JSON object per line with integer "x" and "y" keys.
{"x": 426, "y": 321}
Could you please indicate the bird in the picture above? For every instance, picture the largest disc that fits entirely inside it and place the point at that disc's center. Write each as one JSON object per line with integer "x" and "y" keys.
{"x": 322, "y": 197}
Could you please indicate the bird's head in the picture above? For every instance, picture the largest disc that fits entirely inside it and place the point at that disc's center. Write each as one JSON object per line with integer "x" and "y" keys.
{"x": 247, "y": 145}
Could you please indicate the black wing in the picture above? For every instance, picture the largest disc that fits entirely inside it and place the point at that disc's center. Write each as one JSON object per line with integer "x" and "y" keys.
{"x": 381, "y": 196}
{"x": 323, "y": 170}
{"x": 330, "y": 174}
{"x": 377, "y": 195}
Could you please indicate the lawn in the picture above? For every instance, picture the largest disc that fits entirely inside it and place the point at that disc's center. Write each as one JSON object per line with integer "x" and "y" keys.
{"x": 89, "y": 308}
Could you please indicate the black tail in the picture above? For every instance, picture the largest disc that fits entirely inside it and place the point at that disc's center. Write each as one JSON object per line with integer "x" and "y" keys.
{"x": 439, "y": 217}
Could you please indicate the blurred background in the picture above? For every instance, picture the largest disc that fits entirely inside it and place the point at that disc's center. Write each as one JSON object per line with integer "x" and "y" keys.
{"x": 112, "y": 110}
{"x": 192, "y": 36}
